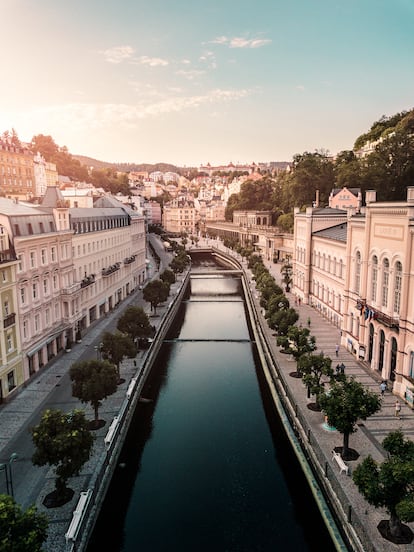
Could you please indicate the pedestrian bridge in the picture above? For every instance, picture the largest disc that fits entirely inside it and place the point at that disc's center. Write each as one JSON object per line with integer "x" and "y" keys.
{"x": 205, "y": 272}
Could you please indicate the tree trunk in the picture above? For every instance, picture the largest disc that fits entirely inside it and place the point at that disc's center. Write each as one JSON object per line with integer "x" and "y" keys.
{"x": 346, "y": 445}
{"x": 395, "y": 525}
{"x": 96, "y": 407}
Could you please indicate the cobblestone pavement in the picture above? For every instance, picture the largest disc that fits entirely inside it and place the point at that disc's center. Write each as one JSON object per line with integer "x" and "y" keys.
{"x": 36, "y": 483}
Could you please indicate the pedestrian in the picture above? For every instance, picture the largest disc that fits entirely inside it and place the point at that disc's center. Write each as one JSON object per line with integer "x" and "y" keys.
{"x": 383, "y": 387}
{"x": 342, "y": 368}
{"x": 397, "y": 408}
{"x": 337, "y": 349}
{"x": 309, "y": 322}
{"x": 299, "y": 300}
{"x": 338, "y": 369}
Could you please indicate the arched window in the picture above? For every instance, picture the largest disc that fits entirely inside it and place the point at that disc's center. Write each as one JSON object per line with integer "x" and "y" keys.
{"x": 374, "y": 278}
{"x": 393, "y": 358}
{"x": 397, "y": 287}
{"x": 357, "y": 271}
{"x": 370, "y": 342}
{"x": 385, "y": 281}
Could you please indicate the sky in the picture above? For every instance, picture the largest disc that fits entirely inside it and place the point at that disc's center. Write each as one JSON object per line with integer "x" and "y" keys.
{"x": 195, "y": 81}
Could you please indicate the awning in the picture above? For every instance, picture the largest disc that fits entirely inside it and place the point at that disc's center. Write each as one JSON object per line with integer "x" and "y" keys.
{"x": 46, "y": 341}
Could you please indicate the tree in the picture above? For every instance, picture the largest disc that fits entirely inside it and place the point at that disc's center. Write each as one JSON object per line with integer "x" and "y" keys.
{"x": 287, "y": 270}
{"x": 156, "y": 292}
{"x": 344, "y": 404}
{"x": 179, "y": 262}
{"x": 62, "y": 440}
{"x": 117, "y": 346}
{"x": 313, "y": 368}
{"x": 93, "y": 381}
{"x": 297, "y": 342}
{"x": 135, "y": 323}
{"x": 282, "y": 320}
{"x": 391, "y": 485}
{"x": 168, "y": 276}
{"x": 21, "y": 531}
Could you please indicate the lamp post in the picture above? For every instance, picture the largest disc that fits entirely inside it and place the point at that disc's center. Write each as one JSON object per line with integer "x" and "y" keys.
{"x": 7, "y": 467}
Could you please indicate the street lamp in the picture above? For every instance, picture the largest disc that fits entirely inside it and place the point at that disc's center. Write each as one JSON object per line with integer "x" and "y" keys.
{"x": 7, "y": 467}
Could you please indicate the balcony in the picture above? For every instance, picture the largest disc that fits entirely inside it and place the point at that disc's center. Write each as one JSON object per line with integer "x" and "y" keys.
{"x": 111, "y": 269}
{"x": 7, "y": 255}
{"x": 87, "y": 281}
{"x": 129, "y": 260}
{"x": 9, "y": 320}
{"x": 70, "y": 290}
{"x": 370, "y": 313}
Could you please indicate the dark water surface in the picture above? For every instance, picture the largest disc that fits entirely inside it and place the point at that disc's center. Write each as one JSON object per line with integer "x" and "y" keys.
{"x": 207, "y": 464}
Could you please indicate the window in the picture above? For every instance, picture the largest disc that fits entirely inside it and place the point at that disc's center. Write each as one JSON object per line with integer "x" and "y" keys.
{"x": 32, "y": 259}
{"x": 45, "y": 287}
{"x": 37, "y": 323}
{"x": 47, "y": 317}
{"x": 20, "y": 265}
{"x": 385, "y": 281}
{"x": 397, "y": 286}
{"x": 357, "y": 272}
{"x": 374, "y": 278}
{"x": 10, "y": 381}
{"x": 55, "y": 281}
{"x": 25, "y": 332}
{"x": 53, "y": 254}
{"x": 6, "y": 308}
{"x": 34, "y": 290}
{"x": 30, "y": 228}
{"x": 43, "y": 256}
{"x": 10, "y": 344}
{"x": 22, "y": 296}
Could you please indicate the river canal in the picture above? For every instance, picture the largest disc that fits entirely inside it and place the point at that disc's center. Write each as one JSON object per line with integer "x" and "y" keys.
{"x": 206, "y": 466}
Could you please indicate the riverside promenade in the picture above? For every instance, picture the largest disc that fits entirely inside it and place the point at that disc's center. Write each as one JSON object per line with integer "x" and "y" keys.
{"x": 32, "y": 484}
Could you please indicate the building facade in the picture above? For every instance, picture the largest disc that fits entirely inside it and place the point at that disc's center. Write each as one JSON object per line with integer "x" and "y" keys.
{"x": 180, "y": 215}
{"x": 72, "y": 266}
{"x": 16, "y": 171}
{"x": 357, "y": 269}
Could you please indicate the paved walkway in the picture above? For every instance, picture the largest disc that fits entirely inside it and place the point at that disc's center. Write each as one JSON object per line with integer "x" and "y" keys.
{"x": 33, "y": 483}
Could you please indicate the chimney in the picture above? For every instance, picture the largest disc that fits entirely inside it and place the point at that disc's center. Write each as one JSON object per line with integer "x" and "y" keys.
{"x": 370, "y": 196}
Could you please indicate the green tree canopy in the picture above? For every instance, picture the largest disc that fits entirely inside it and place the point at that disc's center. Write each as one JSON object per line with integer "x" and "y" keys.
{"x": 168, "y": 276}
{"x": 93, "y": 381}
{"x": 313, "y": 368}
{"x": 21, "y": 531}
{"x": 390, "y": 484}
{"x": 63, "y": 440}
{"x": 345, "y": 403}
{"x": 116, "y": 346}
{"x": 254, "y": 194}
{"x": 156, "y": 292}
{"x": 135, "y": 323}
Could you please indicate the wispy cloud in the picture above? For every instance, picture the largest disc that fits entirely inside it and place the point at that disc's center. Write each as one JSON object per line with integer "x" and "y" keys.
{"x": 94, "y": 116}
{"x": 300, "y": 87}
{"x": 240, "y": 42}
{"x": 190, "y": 74}
{"x": 151, "y": 61}
{"x": 117, "y": 54}
{"x": 209, "y": 59}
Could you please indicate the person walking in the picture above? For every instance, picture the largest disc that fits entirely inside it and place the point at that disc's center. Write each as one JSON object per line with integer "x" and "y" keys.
{"x": 383, "y": 387}
{"x": 337, "y": 349}
{"x": 397, "y": 409}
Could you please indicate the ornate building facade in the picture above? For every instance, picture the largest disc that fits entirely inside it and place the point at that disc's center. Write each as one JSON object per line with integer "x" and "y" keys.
{"x": 358, "y": 270}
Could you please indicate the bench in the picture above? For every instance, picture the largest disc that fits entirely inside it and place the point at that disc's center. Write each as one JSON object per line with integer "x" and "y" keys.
{"x": 343, "y": 468}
